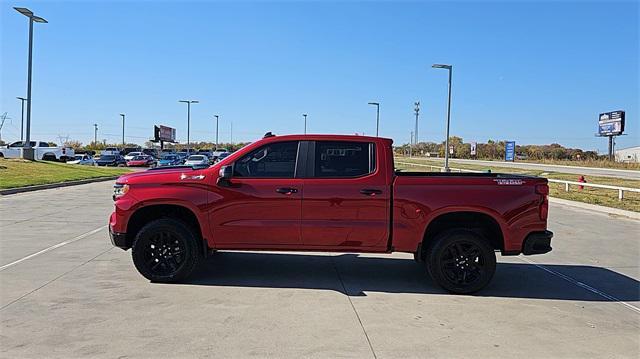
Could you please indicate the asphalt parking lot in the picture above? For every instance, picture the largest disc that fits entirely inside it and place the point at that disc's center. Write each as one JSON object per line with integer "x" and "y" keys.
{"x": 66, "y": 292}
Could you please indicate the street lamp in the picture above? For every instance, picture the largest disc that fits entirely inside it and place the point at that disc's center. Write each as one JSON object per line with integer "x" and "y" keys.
{"x": 123, "y": 143}
{"x": 32, "y": 18}
{"x": 22, "y": 99}
{"x": 188, "y": 102}
{"x": 377, "y": 115}
{"x": 305, "y": 123}
{"x": 217, "y": 117}
{"x": 446, "y": 142}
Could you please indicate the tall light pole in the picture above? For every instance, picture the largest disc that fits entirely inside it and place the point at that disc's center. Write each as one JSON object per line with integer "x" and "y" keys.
{"x": 95, "y": 134}
{"x": 123, "y": 143}
{"x": 232, "y": 132}
{"x": 217, "y": 117}
{"x": 305, "y": 122}
{"x": 188, "y": 102}
{"x": 446, "y": 142}
{"x": 32, "y": 18}
{"x": 377, "y": 115}
{"x": 22, "y": 99}
{"x": 417, "y": 111}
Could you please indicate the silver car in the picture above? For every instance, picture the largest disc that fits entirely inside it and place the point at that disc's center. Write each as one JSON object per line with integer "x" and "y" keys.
{"x": 197, "y": 160}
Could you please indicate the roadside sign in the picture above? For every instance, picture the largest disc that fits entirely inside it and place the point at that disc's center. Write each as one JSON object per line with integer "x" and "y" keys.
{"x": 451, "y": 149}
{"x": 611, "y": 123}
{"x": 164, "y": 133}
{"x": 473, "y": 148}
{"x": 510, "y": 151}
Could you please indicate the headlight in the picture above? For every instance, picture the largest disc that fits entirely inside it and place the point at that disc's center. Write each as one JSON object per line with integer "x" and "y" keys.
{"x": 119, "y": 190}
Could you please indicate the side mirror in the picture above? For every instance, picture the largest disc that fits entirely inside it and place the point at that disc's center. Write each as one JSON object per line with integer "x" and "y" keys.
{"x": 225, "y": 174}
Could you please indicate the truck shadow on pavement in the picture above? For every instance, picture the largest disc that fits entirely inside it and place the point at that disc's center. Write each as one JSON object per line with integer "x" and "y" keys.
{"x": 355, "y": 275}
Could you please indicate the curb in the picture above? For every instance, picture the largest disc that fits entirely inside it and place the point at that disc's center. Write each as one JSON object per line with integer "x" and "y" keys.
{"x": 597, "y": 208}
{"x": 9, "y": 191}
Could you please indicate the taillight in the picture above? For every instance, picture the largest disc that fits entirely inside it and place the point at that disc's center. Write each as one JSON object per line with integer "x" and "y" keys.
{"x": 543, "y": 207}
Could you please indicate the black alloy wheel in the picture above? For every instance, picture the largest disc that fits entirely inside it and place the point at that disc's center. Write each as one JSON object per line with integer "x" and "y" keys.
{"x": 461, "y": 261}
{"x": 166, "y": 250}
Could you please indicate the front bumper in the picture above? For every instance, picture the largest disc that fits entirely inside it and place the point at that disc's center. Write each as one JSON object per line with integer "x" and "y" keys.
{"x": 537, "y": 243}
{"x": 118, "y": 239}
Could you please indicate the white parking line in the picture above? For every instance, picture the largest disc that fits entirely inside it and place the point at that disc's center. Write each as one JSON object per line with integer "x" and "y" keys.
{"x": 84, "y": 235}
{"x": 582, "y": 285}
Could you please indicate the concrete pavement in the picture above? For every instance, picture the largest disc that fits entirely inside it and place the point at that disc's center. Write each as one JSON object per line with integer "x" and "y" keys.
{"x": 85, "y": 299}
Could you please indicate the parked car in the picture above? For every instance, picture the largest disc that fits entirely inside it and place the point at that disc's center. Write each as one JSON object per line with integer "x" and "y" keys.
{"x": 128, "y": 150}
{"x": 169, "y": 160}
{"x": 83, "y": 159}
{"x": 141, "y": 161}
{"x": 222, "y": 156}
{"x": 150, "y": 152}
{"x": 197, "y": 160}
{"x": 217, "y": 152}
{"x": 113, "y": 151}
{"x": 42, "y": 151}
{"x": 111, "y": 160}
{"x": 329, "y": 193}
{"x": 131, "y": 155}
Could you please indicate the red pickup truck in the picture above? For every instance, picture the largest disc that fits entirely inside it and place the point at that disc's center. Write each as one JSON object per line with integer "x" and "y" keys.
{"x": 328, "y": 193}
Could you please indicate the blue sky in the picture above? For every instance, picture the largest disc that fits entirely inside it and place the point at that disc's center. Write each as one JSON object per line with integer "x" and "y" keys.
{"x": 530, "y": 72}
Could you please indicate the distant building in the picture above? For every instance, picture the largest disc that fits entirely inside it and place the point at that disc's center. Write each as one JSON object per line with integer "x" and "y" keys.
{"x": 629, "y": 154}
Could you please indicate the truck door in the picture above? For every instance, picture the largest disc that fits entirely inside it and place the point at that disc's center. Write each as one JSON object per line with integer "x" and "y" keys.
{"x": 262, "y": 203}
{"x": 346, "y": 196}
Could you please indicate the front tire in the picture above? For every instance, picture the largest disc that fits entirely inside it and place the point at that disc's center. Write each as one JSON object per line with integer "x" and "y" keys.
{"x": 166, "y": 251}
{"x": 461, "y": 261}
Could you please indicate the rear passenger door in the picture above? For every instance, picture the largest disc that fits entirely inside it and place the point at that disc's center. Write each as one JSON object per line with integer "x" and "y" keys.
{"x": 346, "y": 198}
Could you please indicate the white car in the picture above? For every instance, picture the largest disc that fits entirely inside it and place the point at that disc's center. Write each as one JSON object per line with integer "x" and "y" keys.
{"x": 83, "y": 159}
{"x": 113, "y": 151}
{"x": 197, "y": 160}
{"x": 42, "y": 151}
{"x": 128, "y": 157}
{"x": 218, "y": 152}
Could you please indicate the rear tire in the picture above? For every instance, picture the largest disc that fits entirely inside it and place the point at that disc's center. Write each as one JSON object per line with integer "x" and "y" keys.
{"x": 166, "y": 251}
{"x": 461, "y": 261}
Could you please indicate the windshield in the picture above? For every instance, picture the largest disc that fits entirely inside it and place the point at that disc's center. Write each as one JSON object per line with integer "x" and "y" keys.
{"x": 108, "y": 158}
{"x": 169, "y": 158}
{"x": 140, "y": 158}
{"x": 196, "y": 158}
{"x": 77, "y": 158}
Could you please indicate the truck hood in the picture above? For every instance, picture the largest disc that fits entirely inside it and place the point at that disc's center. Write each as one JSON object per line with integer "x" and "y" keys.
{"x": 163, "y": 175}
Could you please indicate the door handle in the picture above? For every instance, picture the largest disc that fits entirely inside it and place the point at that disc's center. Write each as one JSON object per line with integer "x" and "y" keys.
{"x": 370, "y": 192}
{"x": 287, "y": 190}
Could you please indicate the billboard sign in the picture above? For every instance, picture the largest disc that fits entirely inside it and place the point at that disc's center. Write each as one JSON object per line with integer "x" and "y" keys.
{"x": 164, "y": 133}
{"x": 473, "y": 148}
{"x": 611, "y": 123}
{"x": 510, "y": 151}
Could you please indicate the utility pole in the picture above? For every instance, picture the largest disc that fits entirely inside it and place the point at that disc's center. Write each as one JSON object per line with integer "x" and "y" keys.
{"x": 95, "y": 134}
{"x": 417, "y": 111}
{"x": 188, "y": 102}
{"x": 446, "y": 142}
{"x": 411, "y": 147}
{"x": 217, "y": 117}
{"x": 123, "y": 143}
{"x": 232, "y": 132}
{"x": 305, "y": 123}
{"x": 28, "y": 154}
{"x": 22, "y": 99}
{"x": 377, "y": 105}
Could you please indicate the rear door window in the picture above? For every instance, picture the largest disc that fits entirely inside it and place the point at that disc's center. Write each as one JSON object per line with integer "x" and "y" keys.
{"x": 342, "y": 159}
